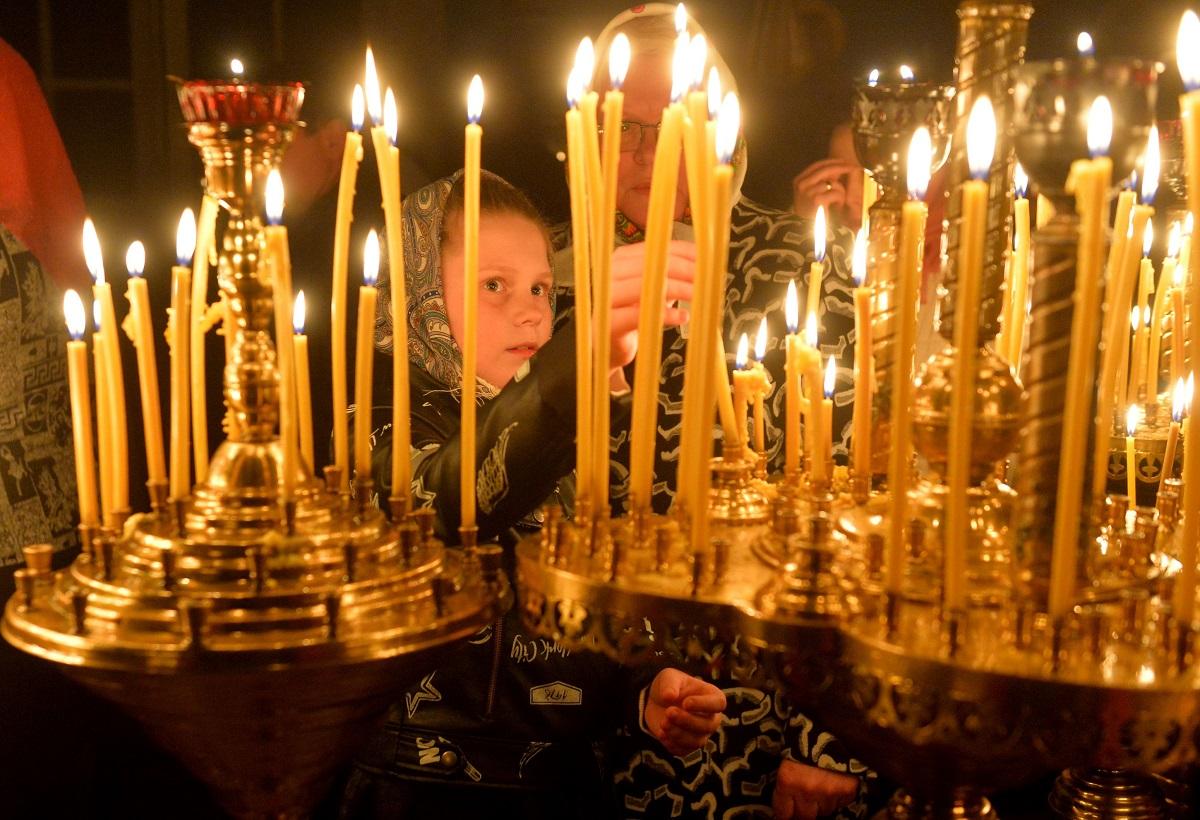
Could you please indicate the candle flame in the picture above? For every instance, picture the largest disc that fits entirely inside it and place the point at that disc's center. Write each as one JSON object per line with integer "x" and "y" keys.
{"x": 760, "y": 341}
{"x": 236, "y": 67}
{"x": 1100, "y": 126}
{"x": 1084, "y": 44}
{"x": 1188, "y": 224}
{"x": 371, "y": 259}
{"x": 618, "y": 60}
{"x": 1020, "y": 180}
{"x": 729, "y": 124}
{"x": 135, "y": 258}
{"x": 391, "y": 116}
{"x": 981, "y": 137}
{"x": 873, "y": 77}
{"x": 185, "y": 237}
{"x": 1148, "y": 238}
{"x": 585, "y": 62}
{"x": 1132, "y": 415}
{"x": 810, "y": 331}
{"x": 680, "y": 68}
{"x": 1135, "y": 318}
{"x": 791, "y": 308}
{"x": 73, "y": 311}
{"x": 906, "y": 73}
{"x": 1150, "y": 172}
{"x": 697, "y": 59}
{"x": 357, "y": 105}
{"x": 714, "y": 92}
{"x": 743, "y": 352}
{"x": 830, "y": 377}
{"x": 681, "y": 18}
{"x": 96, "y": 314}
{"x": 298, "y": 310}
{"x": 274, "y": 197}
{"x": 1174, "y": 239}
{"x": 574, "y": 87}
{"x": 1178, "y": 400}
{"x": 1187, "y": 50}
{"x": 371, "y": 87}
{"x": 819, "y": 231}
{"x": 91, "y": 251}
{"x": 920, "y": 161}
{"x": 858, "y": 262}
{"x": 475, "y": 99}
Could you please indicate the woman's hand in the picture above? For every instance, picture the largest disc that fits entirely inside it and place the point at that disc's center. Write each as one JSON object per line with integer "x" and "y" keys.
{"x": 834, "y": 183}
{"x": 628, "y": 270}
{"x": 682, "y": 711}
{"x": 805, "y": 792}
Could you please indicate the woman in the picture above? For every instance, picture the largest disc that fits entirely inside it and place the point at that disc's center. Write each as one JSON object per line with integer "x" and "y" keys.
{"x": 506, "y": 726}
{"x": 765, "y": 756}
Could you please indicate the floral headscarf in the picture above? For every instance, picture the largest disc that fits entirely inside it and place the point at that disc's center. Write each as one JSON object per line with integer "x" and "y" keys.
{"x": 431, "y": 345}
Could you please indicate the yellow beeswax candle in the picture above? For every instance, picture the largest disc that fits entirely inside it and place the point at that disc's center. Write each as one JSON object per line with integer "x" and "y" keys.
{"x": 142, "y": 335}
{"x": 279, "y": 266}
{"x": 1131, "y": 424}
{"x": 863, "y": 362}
{"x": 792, "y": 440}
{"x": 363, "y": 362}
{"x": 473, "y": 141}
{"x": 830, "y": 382}
{"x": 103, "y": 411}
{"x": 577, "y": 183}
{"x": 1158, "y": 315}
{"x": 743, "y": 385}
{"x": 206, "y": 233}
{"x": 1014, "y": 334}
{"x": 179, "y": 338}
{"x": 1168, "y": 463}
{"x": 303, "y": 383}
{"x": 81, "y": 411}
{"x": 816, "y": 272}
{"x": 401, "y": 476}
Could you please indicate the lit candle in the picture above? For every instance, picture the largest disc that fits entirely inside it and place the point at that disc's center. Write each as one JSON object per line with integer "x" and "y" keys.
{"x": 792, "y": 445}
{"x": 587, "y": 101}
{"x": 614, "y": 106}
{"x": 743, "y": 383}
{"x": 1136, "y": 330}
{"x": 729, "y": 124}
{"x": 473, "y": 139}
{"x": 1161, "y": 299}
{"x": 115, "y": 384}
{"x": 1168, "y": 464}
{"x": 1131, "y": 424}
{"x": 660, "y": 214}
{"x": 864, "y": 369}
{"x": 142, "y": 336}
{"x": 373, "y": 94}
{"x": 352, "y": 155}
{"x": 303, "y": 384}
{"x": 205, "y": 230}
{"x": 1014, "y": 334}
{"x": 760, "y": 387}
{"x": 699, "y": 160}
{"x": 816, "y": 271}
{"x": 577, "y": 173}
{"x": 1138, "y": 385}
{"x": 1188, "y": 55}
{"x": 981, "y": 143}
{"x": 103, "y": 413}
{"x": 1178, "y": 318}
{"x": 364, "y": 359}
{"x": 814, "y": 418}
{"x": 1118, "y": 296}
{"x": 1092, "y": 179}
{"x": 827, "y": 413}
{"x": 401, "y": 417}
{"x": 912, "y": 231}
{"x": 178, "y": 338}
{"x": 279, "y": 266}
{"x": 1083, "y": 43}
{"x": 81, "y": 411}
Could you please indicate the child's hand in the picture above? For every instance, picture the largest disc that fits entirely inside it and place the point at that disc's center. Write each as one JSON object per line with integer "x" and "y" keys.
{"x": 682, "y": 711}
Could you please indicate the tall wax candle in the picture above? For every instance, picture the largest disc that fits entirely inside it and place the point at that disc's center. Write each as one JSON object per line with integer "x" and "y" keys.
{"x": 1168, "y": 463}
{"x": 401, "y": 477}
{"x": 614, "y": 106}
{"x": 103, "y": 413}
{"x": 363, "y": 363}
{"x": 760, "y": 388}
{"x": 577, "y": 185}
{"x": 81, "y": 411}
{"x": 352, "y": 154}
{"x": 1138, "y": 383}
{"x": 115, "y": 387}
{"x": 816, "y": 271}
{"x": 303, "y": 383}
{"x": 660, "y": 214}
{"x": 1178, "y": 322}
{"x": 1131, "y": 425}
{"x": 863, "y": 366}
{"x": 981, "y": 142}
{"x": 1092, "y": 179}
{"x": 473, "y": 140}
{"x": 1019, "y": 287}
{"x": 912, "y": 231}
{"x": 206, "y": 233}
{"x": 279, "y": 265}
{"x": 792, "y": 440}
{"x": 588, "y": 157}
{"x": 179, "y": 338}
{"x": 1188, "y": 55}
{"x": 142, "y": 334}
{"x": 827, "y": 433}
{"x": 1158, "y": 315}
{"x": 743, "y": 385}
{"x": 814, "y": 419}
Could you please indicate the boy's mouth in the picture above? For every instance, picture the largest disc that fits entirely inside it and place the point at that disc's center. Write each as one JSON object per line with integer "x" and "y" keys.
{"x": 524, "y": 350}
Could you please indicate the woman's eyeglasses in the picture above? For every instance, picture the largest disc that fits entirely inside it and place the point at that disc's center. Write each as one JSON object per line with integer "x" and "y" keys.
{"x": 634, "y": 133}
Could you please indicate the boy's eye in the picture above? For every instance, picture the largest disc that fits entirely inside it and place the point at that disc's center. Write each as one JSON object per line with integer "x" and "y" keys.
{"x": 494, "y": 285}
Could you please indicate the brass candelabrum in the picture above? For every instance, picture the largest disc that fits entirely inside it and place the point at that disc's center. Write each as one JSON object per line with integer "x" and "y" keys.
{"x": 258, "y": 640}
